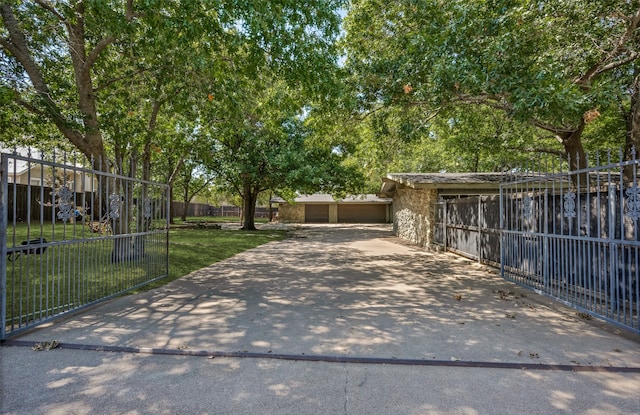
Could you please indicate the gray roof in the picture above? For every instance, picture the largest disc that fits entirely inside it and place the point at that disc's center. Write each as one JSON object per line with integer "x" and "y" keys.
{"x": 445, "y": 183}
{"x": 327, "y": 198}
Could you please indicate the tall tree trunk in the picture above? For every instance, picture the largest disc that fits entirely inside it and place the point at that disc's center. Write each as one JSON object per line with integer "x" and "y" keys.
{"x": 249, "y": 199}
{"x": 270, "y": 213}
{"x": 574, "y": 150}
{"x": 571, "y": 140}
{"x": 171, "y": 208}
{"x": 145, "y": 223}
{"x": 171, "y": 181}
{"x": 185, "y": 199}
{"x": 117, "y": 203}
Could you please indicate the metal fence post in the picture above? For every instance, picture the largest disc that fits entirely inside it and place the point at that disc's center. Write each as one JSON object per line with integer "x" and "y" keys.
{"x": 613, "y": 249}
{"x": 546, "y": 260}
{"x": 167, "y": 224}
{"x": 502, "y": 234}
{"x": 3, "y": 245}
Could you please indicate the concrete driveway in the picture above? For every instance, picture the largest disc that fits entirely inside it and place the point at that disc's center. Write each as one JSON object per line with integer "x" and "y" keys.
{"x": 334, "y": 320}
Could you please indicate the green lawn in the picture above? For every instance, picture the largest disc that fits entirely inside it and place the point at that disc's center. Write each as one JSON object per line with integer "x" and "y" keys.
{"x": 77, "y": 271}
{"x": 192, "y": 249}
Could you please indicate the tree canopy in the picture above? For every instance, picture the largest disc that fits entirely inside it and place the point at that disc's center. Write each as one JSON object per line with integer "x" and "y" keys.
{"x": 555, "y": 65}
{"x": 287, "y": 96}
{"x": 132, "y": 84}
{"x": 91, "y": 67}
{"x": 265, "y": 145}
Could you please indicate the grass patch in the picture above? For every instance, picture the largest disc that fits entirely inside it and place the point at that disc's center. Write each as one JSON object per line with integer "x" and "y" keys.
{"x": 77, "y": 267}
{"x": 192, "y": 249}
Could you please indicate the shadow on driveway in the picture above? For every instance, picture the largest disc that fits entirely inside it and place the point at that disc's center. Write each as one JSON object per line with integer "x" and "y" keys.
{"x": 346, "y": 292}
{"x": 351, "y": 290}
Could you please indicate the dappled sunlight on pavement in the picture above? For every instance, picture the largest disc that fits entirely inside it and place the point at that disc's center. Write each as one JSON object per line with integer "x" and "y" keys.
{"x": 328, "y": 292}
{"x": 352, "y": 291}
{"x": 107, "y": 383}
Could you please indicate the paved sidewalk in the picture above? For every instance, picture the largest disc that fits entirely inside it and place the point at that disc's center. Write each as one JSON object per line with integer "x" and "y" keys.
{"x": 432, "y": 333}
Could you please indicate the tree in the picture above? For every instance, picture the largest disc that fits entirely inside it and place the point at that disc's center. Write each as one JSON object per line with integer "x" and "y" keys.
{"x": 53, "y": 48}
{"x": 459, "y": 139}
{"x": 552, "y": 64}
{"x": 64, "y": 60}
{"x": 119, "y": 79}
{"x": 193, "y": 181}
{"x": 267, "y": 147}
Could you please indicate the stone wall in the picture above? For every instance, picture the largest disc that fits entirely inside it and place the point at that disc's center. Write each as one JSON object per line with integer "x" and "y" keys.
{"x": 290, "y": 213}
{"x": 414, "y": 215}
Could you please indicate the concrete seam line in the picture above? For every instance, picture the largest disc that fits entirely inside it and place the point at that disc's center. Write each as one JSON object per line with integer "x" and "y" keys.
{"x": 332, "y": 359}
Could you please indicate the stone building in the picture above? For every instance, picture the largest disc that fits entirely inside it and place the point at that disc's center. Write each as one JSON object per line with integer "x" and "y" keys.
{"x": 416, "y": 195}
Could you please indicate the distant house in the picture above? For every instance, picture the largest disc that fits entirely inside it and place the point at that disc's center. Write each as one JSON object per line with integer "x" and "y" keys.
{"x": 323, "y": 208}
{"x": 46, "y": 189}
{"x": 41, "y": 174}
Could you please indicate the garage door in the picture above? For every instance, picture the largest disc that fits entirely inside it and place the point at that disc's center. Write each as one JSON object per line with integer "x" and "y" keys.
{"x": 361, "y": 213}
{"x": 316, "y": 213}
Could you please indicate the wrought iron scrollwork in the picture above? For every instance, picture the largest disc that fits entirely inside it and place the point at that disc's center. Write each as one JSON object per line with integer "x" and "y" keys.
{"x": 633, "y": 202}
{"x": 115, "y": 203}
{"x": 63, "y": 197}
{"x": 569, "y": 205}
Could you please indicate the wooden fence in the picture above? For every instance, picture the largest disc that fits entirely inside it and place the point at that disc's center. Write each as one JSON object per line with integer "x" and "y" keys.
{"x": 203, "y": 209}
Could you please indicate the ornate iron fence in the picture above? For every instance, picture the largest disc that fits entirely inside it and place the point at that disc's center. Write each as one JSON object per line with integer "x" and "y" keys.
{"x": 574, "y": 235}
{"x": 72, "y": 236}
